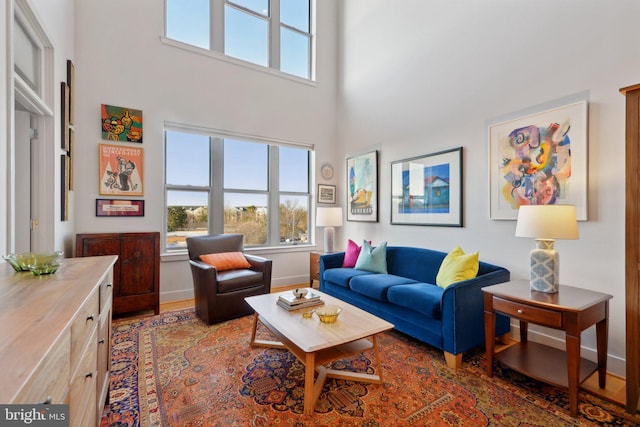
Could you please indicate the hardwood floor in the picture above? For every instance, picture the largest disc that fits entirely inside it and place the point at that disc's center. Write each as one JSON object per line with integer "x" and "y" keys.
{"x": 614, "y": 392}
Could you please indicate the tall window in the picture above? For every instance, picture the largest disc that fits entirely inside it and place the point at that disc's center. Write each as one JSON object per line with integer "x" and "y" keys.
{"x": 224, "y": 185}
{"x": 270, "y": 33}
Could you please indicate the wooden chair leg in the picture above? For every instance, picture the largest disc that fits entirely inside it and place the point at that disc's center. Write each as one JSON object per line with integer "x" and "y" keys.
{"x": 454, "y": 361}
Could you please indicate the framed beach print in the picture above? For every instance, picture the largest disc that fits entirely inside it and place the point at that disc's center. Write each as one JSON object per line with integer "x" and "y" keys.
{"x": 326, "y": 193}
{"x": 362, "y": 187}
{"x": 539, "y": 158}
{"x": 427, "y": 190}
{"x": 121, "y": 170}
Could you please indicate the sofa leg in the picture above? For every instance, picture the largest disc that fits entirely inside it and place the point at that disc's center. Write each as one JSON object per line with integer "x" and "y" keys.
{"x": 454, "y": 361}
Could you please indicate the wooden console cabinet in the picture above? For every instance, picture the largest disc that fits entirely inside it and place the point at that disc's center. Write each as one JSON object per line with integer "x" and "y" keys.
{"x": 56, "y": 337}
{"x": 136, "y": 283}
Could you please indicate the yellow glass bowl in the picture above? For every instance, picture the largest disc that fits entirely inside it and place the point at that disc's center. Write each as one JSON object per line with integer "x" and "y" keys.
{"x": 41, "y": 269}
{"x": 328, "y": 313}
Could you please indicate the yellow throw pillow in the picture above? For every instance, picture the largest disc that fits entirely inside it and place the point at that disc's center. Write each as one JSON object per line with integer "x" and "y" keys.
{"x": 226, "y": 260}
{"x": 457, "y": 266}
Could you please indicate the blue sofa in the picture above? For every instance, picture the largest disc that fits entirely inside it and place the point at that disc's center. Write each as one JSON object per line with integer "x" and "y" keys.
{"x": 450, "y": 319}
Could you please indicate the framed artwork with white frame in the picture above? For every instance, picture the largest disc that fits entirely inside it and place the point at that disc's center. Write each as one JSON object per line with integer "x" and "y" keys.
{"x": 539, "y": 158}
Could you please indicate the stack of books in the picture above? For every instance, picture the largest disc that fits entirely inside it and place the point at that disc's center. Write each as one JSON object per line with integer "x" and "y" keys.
{"x": 291, "y": 302}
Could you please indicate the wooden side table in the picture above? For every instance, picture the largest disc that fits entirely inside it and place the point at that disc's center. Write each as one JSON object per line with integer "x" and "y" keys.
{"x": 571, "y": 310}
{"x": 314, "y": 267}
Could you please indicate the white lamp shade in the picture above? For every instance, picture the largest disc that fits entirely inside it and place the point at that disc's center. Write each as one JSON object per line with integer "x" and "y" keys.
{"x": 547, "y": 222}
{"x": 329, "y": 217}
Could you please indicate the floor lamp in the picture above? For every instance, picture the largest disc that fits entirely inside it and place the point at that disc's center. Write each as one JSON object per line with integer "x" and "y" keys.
{"x": 329, "y": 218}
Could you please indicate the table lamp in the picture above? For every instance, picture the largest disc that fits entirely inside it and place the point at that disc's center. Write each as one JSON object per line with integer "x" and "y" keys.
{"x": 329, "y": 218}
{"x": 545, "y": 223}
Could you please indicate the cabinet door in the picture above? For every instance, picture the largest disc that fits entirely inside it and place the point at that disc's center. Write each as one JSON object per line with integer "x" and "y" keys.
{"x": 101, "y": 244}
{"x": 137, "y": 266}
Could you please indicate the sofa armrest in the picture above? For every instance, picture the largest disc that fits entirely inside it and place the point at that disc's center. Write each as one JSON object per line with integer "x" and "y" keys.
{"x": 328, "y": 261}
{"x": 258, "y": 263}
{"x": 463, "y": 312}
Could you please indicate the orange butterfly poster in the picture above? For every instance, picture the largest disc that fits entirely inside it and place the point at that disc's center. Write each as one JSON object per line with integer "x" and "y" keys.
{"x": 121, "y": 170}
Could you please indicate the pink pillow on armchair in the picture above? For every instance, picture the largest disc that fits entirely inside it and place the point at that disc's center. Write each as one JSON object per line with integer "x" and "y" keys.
{"x": 351, "y": 254}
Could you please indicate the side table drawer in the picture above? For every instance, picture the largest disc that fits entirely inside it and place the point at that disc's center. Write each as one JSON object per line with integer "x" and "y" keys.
{"x": 539, "y": 316}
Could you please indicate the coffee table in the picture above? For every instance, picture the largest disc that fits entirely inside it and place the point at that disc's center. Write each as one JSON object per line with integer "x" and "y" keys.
{"x": 315, "y": 343}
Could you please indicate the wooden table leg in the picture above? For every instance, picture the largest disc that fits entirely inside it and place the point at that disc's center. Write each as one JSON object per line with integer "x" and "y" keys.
{"x": 573, "y": 371}
{"x": 489, "y": 340}
{"x": 309, "y": 371}
{"x": 602, "y": 339}
{"x": 253, "y": 330}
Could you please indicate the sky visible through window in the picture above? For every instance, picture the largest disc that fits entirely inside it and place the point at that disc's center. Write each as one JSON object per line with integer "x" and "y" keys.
{"x": 246, "y": 168}
{"x": 246, "y": 36}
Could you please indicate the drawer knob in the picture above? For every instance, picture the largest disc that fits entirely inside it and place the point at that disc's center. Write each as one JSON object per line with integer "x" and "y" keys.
{"x": 520, "y": 311}
{"x": 90, "y": 317}
{"x": 89, "y": 375}
{"x": 109, "y": 285}
{"x": 47, "y": 401}
{"x": 101, "y": 341}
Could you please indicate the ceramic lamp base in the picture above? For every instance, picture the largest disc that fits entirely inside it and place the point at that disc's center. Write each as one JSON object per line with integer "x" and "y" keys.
{"x": 545, "y": 264}
{"x": 328, "y": 239}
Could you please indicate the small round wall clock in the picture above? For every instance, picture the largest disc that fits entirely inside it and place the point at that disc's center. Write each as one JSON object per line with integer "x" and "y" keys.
{"x": 327, "y": 171}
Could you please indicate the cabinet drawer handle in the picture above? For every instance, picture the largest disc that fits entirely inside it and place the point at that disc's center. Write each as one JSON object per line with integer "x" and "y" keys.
{"x": 101, "y": 341}
{"x": 109, "y": 285}
{"x": 520, "y": 311}
{"x": 89, "y": 375}
{"x": 90, "y": 317}
{"x": 47, "y": 401}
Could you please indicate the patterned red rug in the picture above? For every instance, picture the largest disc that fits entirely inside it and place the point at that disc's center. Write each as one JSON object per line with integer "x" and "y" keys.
{"x": 174, "y": 370}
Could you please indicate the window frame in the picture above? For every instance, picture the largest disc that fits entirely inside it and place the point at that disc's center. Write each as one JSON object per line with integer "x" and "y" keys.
{"x": 217, "y": 191}
{"x": 217, "y": 35}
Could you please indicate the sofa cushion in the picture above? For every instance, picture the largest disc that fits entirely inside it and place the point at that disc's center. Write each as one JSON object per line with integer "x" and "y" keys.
{"x": 342, "y": 276}
{"x": 235, "y": 280}
{"x": 421, "y": 297}
{"x": 372, "y": 259}
{"x": 376, "y": 285}
{"x": 457, "y": 266}
{"x": 351, "y": 254}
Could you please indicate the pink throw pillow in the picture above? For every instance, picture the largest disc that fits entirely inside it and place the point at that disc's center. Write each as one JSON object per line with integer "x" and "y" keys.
{"x": 351, "y": 254}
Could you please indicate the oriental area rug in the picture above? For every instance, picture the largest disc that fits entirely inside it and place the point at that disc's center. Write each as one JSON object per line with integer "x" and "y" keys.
{"x": 174, "y": 370}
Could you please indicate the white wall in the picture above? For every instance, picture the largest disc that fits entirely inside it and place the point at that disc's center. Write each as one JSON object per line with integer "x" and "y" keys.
{"x": 417, "y": 77}
{"x": 122, "y": 61}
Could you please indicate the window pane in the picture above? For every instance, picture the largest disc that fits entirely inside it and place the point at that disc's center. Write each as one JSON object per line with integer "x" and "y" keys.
{"x": 246, "y": 214}
{"x": 258, "y": 6}
{"x": 187, "y": 215}
{"x": 188, "y": 22}
{"x": 246, "y": 36}
{"x": 27, "y": 57}
{"x": 246, "y": 165}
{"x": 294, "y": 169}
{"x": 187, "y": 159}
{"x": 294, "y": 53}
{"x": 295, "y": 13}
{"x": 294, "y": 220}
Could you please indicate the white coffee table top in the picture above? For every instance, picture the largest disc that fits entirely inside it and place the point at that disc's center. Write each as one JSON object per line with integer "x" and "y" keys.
{"x": 309, "y": 334}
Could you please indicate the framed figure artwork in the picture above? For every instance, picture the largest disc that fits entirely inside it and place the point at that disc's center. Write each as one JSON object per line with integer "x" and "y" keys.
{"x": 539, "y": 158}
{"x": 121, "y": 170}
{"x": 362, "y": 187}
{"x": 427, "y": 190}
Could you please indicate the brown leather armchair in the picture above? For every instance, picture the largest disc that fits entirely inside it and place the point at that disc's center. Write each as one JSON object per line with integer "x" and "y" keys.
{"x": 219, "y": 295}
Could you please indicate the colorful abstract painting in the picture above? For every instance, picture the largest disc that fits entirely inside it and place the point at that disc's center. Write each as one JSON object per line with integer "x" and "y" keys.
{"x": 121, "y": 124}
{"x": 539, "y": 159}
{"x": 121, "y": 170}
{"x": 362, "y": 185}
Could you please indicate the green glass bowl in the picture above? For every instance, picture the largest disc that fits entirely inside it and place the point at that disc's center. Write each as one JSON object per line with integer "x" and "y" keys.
{"x": 22, "y": 261}
{"x": 44, "y": 268}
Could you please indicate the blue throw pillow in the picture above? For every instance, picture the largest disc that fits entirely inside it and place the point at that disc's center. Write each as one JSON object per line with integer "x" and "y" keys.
{"x": 372, "y": 259}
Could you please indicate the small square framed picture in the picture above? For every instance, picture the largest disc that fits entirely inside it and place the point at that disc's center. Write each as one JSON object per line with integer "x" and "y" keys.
{"x": 326, "y": 193}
